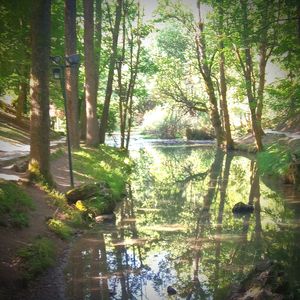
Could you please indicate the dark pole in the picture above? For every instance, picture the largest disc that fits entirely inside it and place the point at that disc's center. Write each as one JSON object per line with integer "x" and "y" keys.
{"x": 63, "y": 88}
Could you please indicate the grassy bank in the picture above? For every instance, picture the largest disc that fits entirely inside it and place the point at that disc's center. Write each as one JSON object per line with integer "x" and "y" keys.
{"x": 108, "y": 166}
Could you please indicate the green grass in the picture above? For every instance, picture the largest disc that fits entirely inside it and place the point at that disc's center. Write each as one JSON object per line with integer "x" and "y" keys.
{"x": 61, "y": 229}
{"x": 275, "y": 160}
{"x": 103, "y": 164}
{"x": 14, "y": 204}
{"x": 37, "y": 257}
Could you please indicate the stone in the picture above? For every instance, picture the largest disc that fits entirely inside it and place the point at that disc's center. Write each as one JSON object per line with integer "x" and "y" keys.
{"x": 242, "y": 208}
{"x": 171, "y": 290}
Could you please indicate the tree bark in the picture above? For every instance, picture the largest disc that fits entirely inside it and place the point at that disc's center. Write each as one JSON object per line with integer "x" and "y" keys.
{"x": 71, "y": 73}
{"x": 92, "y": 127}
{"x": 248, "y": 71}
{"x": 39, "y": 90}
{"x": 223, "y": 86}
{"x": 22, "y": 98}
{"x": 105, "y": 112}
{"x": 206, "y": 74}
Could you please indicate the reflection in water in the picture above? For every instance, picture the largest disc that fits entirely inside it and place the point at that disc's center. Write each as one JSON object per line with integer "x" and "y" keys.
{"x": 176, "y": 228}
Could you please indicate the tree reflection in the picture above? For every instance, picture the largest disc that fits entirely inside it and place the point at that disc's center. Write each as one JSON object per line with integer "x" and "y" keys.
{"x": 177, "y": 228}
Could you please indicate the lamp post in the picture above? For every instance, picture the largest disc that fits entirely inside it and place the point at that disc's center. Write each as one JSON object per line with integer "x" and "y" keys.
{"x": 58, "y": 72}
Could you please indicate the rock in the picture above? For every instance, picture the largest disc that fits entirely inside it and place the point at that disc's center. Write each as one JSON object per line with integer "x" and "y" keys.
{"x": 105, "y": 218}
{"x": 87, "y": 191}
{"x": 267, "y": 280}
{"x": 294, "y": 145}
{"x": 20, "y": 166}
{"x": 171, "y": 290}
{"x": 242, "y": 208}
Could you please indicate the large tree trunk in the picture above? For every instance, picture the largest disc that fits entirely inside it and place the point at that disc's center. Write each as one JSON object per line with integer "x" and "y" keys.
{"x": 39, "y": 90}
{"x": 248, "y": 71}
{"x": 105, "y": 112}
{"x": 71, "y": 73}
{"x": 223, "y": 86}
{"x": 92, "y": 127}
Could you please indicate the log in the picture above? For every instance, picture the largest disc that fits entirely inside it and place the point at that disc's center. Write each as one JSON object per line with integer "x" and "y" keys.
{"x": 87, "y": 191}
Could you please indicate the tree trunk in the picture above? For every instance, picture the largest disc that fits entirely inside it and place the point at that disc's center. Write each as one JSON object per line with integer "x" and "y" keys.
{"x": 22, "y": 98}
{"x": 223, "y": 86}
{"x": 248, "y": 71}
{"x": 108, "y": 92}
{"x": 261, "y": 85}
{"x": 71, "y": 73}
{"x": 92, "y": 127}
{"x": 83, "y": 119}
{"x": 206, "y": 74}
{"x": 39, "y": 90}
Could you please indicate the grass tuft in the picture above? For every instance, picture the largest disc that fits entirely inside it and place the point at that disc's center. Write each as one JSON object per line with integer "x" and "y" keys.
{"x": 14, "y": 204}
{"x": 37, "y": 257}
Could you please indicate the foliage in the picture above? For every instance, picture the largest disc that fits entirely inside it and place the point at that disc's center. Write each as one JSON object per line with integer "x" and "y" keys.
{"x": 275, "y": 160}
{"x": 198, "y": 134}
{"x": 61, "y": 229}
{"x": 103, "y": 164}
{"x": 37, "y": 257}
{"x": 14, "y": 204}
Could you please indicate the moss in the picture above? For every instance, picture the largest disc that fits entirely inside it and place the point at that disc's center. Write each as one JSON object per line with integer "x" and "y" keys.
{"x": 36, "y": 257}
{"x": 14, "y": 204}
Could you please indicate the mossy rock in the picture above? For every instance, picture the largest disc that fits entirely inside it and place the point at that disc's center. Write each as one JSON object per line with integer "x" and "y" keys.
{"x": 87, "y": 191}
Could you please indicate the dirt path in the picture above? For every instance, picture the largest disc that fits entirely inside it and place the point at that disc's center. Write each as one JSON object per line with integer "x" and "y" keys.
{"x": 51, "y": 284}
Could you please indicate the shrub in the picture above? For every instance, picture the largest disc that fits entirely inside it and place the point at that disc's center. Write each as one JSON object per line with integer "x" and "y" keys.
{"x": 275, "y": 160}
{"x": 37, "y": 257}
{"x": 198, "y": 134}
{"x": 61, "y": 229}
{"x": 14, "y": 204}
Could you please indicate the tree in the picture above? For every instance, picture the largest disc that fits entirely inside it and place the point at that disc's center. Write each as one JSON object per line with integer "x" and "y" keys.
{"x": 112, "y": 62}
{"x": 204, "y": 61}
{"x": 39, "y": 90}
{"x": 71, "y": 73}
{"x": 92, "y": 127}
{"x": 223, "y": 84}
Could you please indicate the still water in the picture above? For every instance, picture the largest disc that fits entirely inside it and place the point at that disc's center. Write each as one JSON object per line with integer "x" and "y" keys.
{"x": 176, "y": 229}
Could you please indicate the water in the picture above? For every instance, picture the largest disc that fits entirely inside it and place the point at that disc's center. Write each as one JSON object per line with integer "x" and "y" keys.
{"x": 176, "y": 228}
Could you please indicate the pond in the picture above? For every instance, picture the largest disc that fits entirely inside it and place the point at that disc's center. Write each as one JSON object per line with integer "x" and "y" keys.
{"x": 176, "y": 228}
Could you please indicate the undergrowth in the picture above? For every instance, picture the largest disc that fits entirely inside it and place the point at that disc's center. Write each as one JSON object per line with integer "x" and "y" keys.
{"x": 275, "y": 160}
{"x": 60, "y": 228}
{"x": 36, "y": 257}
{"x": 14, "y": 205}
{"x": 103, "y": 164}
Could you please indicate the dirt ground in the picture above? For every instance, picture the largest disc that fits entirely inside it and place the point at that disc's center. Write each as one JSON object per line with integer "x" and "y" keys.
{"x": 51, "y": 284}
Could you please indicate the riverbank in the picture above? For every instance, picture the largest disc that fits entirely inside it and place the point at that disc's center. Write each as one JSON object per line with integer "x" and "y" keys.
{"x": 51, "y": 207}
{"x": 281, "y": 155}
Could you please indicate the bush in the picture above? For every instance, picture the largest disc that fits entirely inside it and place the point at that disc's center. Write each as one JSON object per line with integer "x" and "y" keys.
{"x": 37, "y": 257}
{"x": 14, "y": 204}
{"x": 198, "y": 134}
{"x": 61, "y": 229}
{"x": 275, "y": 160}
